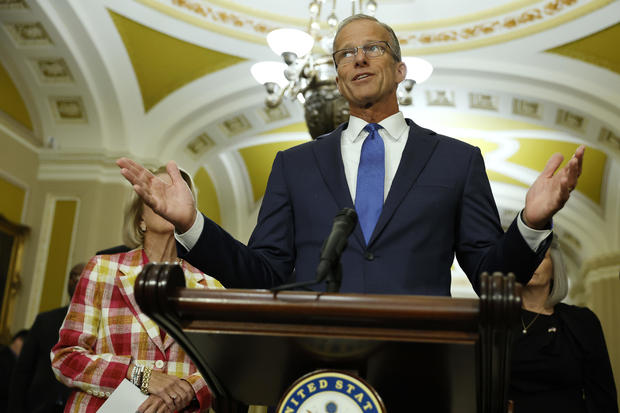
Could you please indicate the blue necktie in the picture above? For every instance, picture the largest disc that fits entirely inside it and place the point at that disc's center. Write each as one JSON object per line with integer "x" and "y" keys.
{"x": 370, "y": 181}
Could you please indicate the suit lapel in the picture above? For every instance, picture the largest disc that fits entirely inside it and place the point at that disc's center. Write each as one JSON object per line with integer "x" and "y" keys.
{"x": 130, "y": 267}
{"x": 418, "y": 150}
{"x": 328, "y": 155}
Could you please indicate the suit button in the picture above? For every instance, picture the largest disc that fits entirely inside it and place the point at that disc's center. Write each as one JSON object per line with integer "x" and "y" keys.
{"x": 159, "y": 364}
{"x": 369, "y": 256}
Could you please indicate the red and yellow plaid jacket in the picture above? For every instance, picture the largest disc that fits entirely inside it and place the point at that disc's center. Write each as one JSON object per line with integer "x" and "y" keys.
{"x": 105, "y": 331}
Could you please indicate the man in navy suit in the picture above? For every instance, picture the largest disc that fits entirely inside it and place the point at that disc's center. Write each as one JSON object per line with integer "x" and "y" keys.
{"x": 437, "y": 200}
{"x": 34, "y": 388}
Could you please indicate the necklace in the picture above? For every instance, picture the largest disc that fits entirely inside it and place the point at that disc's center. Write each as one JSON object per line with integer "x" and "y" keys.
{"x": 525, "y": 327}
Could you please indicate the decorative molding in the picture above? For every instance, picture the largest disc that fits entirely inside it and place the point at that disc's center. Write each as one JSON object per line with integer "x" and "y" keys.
{"x": 570, "y": 120}
{"x": 223, "y": 16}
{"x": 274, "y": 114}
{"x": 609, "y": 138}
{"x": 52, "y": 70}
{"x": 235, "y": 125}
{"x": 83, "y": 166}
{"x": 440, "y": 98}
{"x": 29, "y": 34}
{"x": 492, "y": 27}
{"x": 13, "y": 5}
{"x": 200, "y": 144}
{"x": 609, "y": 260}
{"x": 68, "y": 109}
{"x": 527, "y": 108}
{"x": 483, "y": 101}
{"x": 498, "y": 24}
{"x": 215, "y": 18}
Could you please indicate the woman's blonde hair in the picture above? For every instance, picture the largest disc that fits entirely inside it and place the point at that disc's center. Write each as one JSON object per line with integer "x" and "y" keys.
{"x": 133, "y": 236}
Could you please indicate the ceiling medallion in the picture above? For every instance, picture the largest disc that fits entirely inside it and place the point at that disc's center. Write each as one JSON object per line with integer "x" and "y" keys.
{"x": 68, "y": 109}
{"x": 29, "y": 34}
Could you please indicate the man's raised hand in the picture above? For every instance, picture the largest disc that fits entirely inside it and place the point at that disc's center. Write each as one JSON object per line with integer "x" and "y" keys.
{"x": 551, "y": 190}
{"x": 173, "y": 201}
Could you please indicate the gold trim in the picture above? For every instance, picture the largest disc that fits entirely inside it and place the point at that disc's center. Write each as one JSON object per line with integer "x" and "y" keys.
{"x": 230, "y": 5}
{"x": 468, "y": 18}
{"x": 547, "y": 24}
{"x": 198, "y": 22}
{"x": 483, "y": 28}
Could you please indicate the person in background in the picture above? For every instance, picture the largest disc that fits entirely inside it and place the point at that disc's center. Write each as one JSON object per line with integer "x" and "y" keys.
{"x": 8, "y": 358}
{"x": 559, "y": 358}
{"x": 106, "y": 338}
{"x": 33, "y": 371}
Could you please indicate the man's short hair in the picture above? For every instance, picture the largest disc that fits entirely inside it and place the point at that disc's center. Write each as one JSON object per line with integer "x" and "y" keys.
{"x": 20, "y": 334}
{"x": 393, "y": 40}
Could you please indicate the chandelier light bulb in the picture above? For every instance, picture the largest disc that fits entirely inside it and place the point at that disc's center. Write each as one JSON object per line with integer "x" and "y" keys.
{"x": 371, "y": 7}
{"x": 418, "y": 69}
{"x": 332, "y": 21}
{"x": 265, "y": 72}
{"x": 314, "y": 8}
{"x": 290, "y": 40}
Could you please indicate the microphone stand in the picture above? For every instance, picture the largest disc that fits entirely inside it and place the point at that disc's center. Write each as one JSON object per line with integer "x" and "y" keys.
{"x": 332, "y": 275}
{"x": 329, "y": 267}
{"x": 334, "y": 278}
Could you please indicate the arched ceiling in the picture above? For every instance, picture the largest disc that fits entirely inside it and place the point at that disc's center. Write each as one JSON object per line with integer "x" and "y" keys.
{"x": 85, "y": 82}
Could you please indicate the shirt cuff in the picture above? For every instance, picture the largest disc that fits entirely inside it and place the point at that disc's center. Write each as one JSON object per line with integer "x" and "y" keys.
{"x": 533, "y": 237}
{"x": 189, "y": 238}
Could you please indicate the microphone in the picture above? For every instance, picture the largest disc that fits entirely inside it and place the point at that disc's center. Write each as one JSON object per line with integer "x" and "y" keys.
{"x": 333, "y": 246}
{"x": 329, "y": 262}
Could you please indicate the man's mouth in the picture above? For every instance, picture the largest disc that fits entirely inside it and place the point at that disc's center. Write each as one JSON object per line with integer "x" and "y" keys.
{"x": 361, "y": 76}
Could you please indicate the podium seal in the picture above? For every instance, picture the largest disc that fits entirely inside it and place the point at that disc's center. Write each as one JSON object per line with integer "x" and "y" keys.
{"x": 330, "y": 391}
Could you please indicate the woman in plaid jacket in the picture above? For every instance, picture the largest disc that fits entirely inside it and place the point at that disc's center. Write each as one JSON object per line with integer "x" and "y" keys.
{"x": 105, "y": 338}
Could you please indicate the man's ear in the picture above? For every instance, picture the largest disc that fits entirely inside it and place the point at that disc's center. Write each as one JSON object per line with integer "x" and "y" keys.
{"x": 338, "y": 84}
{"x": 401, "y": 71}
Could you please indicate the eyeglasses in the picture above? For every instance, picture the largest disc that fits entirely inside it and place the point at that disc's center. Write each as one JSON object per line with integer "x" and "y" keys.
{"x": 371, "y": 50}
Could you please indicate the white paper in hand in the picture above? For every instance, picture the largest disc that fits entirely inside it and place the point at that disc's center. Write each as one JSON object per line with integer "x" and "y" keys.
{"x": 126, "y": 398}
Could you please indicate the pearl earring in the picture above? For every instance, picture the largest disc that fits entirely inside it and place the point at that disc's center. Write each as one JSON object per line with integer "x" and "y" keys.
{"x": 142, "y": 226}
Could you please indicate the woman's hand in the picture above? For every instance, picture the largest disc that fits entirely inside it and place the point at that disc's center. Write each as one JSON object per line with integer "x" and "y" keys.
{"x": 154, "y": 404}
{"x": 176, "y": 393}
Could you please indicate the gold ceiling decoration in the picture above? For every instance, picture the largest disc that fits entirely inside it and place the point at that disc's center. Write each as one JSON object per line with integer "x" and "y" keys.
{"x": 534, "y": 154}
{"x": 214, "y": 18}
{"x": 207, "y": 196}
{"x": 11, "y": 101}
{"x": 258, "y": 160}
{"x": 492, "y": 26}
{"x": 599, "y": 49}
{"x": 162, "y": 63}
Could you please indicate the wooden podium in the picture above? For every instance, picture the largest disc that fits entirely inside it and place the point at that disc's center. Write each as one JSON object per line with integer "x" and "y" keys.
{"x": 419, "y": 353}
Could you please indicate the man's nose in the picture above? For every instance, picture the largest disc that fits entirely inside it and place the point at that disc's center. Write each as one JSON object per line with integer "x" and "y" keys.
{"x": 360, "y": 57}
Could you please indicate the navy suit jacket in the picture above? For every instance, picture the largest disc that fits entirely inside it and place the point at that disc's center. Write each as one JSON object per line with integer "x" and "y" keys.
{"x": 440, "y": 204}
{"x": 34, "y": 387}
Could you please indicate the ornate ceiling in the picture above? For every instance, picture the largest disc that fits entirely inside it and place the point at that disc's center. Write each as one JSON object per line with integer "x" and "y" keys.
{"x": 84, "y": 82}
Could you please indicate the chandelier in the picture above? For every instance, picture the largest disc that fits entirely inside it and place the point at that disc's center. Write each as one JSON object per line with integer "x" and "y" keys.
{"x": 307, "y": 71}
